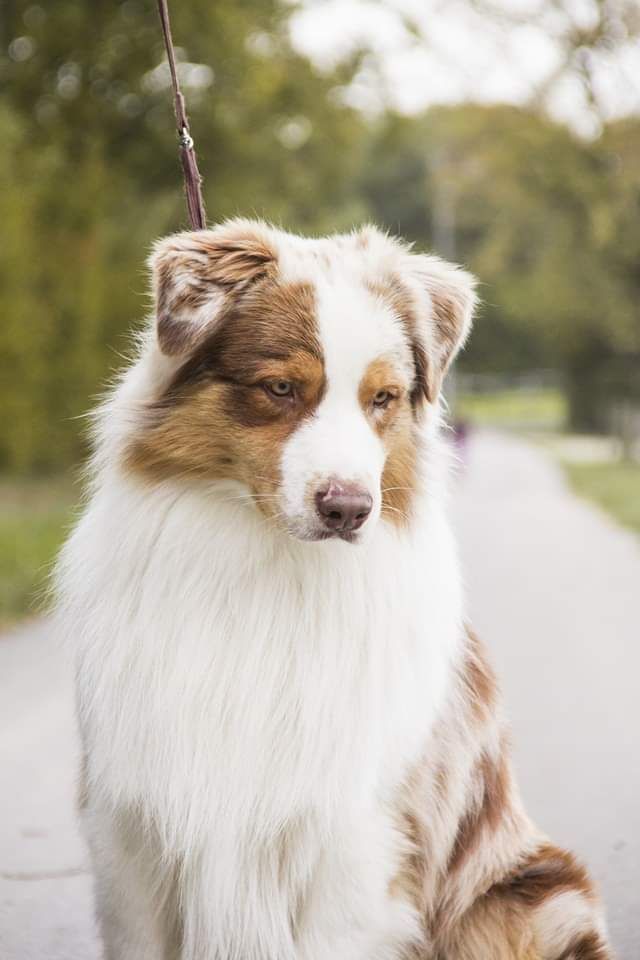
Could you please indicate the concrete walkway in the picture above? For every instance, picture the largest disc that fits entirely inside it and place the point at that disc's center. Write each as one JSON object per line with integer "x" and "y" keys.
{"x": 554, "y": 588}
{"x": 46, "y": 910}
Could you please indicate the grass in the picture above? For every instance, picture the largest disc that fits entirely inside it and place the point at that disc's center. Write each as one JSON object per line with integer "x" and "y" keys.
{"x": 542, "y": 414}
{"x": 34, "y": 518}
{"x": 541, "y": 408}
{"x": 615, "y": 486}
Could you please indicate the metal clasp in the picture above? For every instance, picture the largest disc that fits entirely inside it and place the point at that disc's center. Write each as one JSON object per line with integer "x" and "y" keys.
{"x": 185, "y": 139}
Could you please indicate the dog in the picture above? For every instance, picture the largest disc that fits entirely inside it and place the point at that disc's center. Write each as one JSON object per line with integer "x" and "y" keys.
{"x": 293, "y": 747}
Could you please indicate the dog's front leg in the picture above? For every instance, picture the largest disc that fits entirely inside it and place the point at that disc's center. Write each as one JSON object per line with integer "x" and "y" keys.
{"x": 136, "y": 900}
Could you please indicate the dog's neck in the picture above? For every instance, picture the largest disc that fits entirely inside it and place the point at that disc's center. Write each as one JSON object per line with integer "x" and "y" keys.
{"x": 309, "y": 655}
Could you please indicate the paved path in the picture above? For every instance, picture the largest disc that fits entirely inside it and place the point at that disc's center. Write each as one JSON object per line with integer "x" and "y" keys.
{"x": 553, "y": 588}
{"x": 45, "y": 887}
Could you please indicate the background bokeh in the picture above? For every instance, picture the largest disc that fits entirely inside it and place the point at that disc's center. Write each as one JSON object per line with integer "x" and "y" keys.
{"x": 505, "y": 135}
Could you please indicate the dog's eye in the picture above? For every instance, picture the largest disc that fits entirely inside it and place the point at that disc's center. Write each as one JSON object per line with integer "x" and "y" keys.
{"x": 279, "y": 388}
{"x": 382, "y": 399}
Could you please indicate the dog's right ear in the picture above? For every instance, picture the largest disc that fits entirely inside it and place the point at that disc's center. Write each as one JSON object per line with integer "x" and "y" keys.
{"x": 195, "y": 273}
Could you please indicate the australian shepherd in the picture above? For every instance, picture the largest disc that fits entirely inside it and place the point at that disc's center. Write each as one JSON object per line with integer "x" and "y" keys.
{"x": 293, "y": 747}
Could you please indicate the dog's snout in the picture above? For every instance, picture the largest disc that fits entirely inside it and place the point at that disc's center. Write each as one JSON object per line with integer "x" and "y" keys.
{"x": 343, "y": 507}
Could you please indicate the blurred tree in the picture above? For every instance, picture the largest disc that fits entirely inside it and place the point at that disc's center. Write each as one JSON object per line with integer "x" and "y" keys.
{"x": 589, "y": 48}
{"x": 536, "y": 213}
{"x": 87, "y": 143}
{"x": 605, "y": 371}
{"x": 87, "y": 146}
{"x": 619, "y": 228}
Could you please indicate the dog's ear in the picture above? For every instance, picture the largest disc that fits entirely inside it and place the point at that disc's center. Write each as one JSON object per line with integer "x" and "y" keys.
{"x": 195, "y": 273}
{"x": 445, "y": 298}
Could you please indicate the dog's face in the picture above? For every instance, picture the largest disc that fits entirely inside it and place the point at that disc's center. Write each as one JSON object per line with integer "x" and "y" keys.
{"x": 300, "y": 368}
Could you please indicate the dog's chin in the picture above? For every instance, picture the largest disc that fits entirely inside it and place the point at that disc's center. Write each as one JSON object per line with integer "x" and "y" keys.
{"x": 317, "y": 534}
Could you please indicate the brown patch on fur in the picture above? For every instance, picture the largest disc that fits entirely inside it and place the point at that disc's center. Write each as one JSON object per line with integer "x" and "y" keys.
{"x": 267, "y": 324}
{"x": 503, "y": 925}
{"x": 396, "y": 428}
{"x": 588, "y": 946}
{"x": 447, "y": 323}
{"x": 381, "y": 375}
{"x": 400, "y": 478}
{"x": 395, "y": 294}
{"x": 216, "y": 419}
{"x": 490, "y": 930}
{"x": 480, "y": 688}
{"x": 408, "y": 883}
{"x": 539, "y": 877}
{"x": 546, "y": 873}
{"x": 491, "y": 781}
{"x": 191, "y": 268}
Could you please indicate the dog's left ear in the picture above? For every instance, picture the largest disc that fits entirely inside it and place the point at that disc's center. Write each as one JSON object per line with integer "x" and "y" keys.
{"x": 196, "y": 274}
{"x": 446, "y": 299}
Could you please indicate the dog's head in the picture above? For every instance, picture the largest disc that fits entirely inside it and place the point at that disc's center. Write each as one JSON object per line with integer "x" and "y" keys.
{"x": 301, "y": 369}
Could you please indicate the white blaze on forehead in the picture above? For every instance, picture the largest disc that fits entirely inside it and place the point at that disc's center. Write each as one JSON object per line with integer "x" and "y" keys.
{"x": 355, "y": 325}
{"x": 355, "y": 328}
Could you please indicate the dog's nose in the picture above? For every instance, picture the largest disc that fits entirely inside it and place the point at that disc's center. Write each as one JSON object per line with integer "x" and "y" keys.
{"x": 343, "y": 507}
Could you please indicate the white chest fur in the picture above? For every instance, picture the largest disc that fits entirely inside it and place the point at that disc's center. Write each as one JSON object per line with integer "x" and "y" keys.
{"x": 260, "y": 699}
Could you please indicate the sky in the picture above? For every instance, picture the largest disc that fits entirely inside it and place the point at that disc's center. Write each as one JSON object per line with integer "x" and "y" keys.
{"x": 461, "y": 54}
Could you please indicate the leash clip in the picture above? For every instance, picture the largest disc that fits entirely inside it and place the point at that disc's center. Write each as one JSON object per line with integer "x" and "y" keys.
{"x": 185, "y": 139}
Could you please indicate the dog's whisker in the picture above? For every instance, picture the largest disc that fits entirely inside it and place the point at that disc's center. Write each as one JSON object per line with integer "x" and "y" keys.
{"x": 401, "y": 513}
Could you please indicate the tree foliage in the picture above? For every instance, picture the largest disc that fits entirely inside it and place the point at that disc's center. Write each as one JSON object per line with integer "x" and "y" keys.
{"x": 549, "y": 223}
{"x": 88, "y": 149}
{"x": 88, "y": 158}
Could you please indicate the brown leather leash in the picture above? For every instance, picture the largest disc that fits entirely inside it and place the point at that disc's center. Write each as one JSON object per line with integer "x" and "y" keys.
{"x": 192, "y": 178}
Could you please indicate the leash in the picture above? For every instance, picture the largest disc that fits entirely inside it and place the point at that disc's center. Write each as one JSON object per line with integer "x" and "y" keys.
{"x": 191, "y": 174}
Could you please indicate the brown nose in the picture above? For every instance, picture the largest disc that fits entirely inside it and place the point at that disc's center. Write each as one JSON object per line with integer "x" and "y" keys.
{"x": 343, "y": 507}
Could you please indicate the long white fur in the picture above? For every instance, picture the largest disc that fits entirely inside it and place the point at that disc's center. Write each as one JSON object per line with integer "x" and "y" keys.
{"x": 252, "y": 700}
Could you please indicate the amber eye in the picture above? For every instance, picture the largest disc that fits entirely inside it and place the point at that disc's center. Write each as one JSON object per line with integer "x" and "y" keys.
{"x": 382, "y": 399}
{"x": 279, "y": 388}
